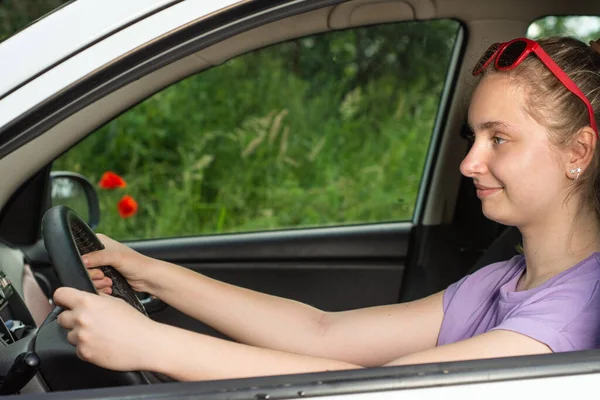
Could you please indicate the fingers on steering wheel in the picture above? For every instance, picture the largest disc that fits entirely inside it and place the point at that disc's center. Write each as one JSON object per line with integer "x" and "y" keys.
{"x": 102, "y": 283}
{"x": 73, "y": 337}
{"x": 95, "y": 273}
{"x": 66, "y": 319}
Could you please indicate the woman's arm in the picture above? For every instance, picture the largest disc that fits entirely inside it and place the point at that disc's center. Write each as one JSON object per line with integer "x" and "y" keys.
{"x": 220, "y": 359}
{"x": 217, "y": 359}
{"x": 142, "y": 344}
{"x": 493, "y": 344}
{"x": 367, "y": 337}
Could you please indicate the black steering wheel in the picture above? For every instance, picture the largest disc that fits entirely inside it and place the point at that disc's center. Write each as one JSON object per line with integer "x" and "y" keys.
{"x": 67, "y": 237}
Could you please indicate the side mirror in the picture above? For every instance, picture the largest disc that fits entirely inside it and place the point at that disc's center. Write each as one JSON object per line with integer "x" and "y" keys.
{"x": 77, "y": 192}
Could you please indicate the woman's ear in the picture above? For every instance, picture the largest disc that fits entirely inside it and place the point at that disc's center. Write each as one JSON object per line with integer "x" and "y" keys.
{"x": 581, "y": 151}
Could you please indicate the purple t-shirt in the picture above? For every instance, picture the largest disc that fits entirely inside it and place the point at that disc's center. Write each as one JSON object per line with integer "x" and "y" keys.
{"x": 563, "y": 313}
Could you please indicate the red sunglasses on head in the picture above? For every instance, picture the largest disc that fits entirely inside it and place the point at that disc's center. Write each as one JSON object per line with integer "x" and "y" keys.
{"x": 509, "y": 55}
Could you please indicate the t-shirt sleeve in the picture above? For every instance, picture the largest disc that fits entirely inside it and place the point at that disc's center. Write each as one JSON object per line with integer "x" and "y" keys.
{"x": 566, "y": 319}
{"x": 451, "y": 291}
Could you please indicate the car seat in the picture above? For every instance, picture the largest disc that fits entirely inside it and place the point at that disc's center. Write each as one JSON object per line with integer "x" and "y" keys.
{"x": 503, "y": 248}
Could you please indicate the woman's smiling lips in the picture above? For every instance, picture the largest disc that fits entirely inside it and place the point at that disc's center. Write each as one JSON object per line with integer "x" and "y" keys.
{"x": 486, "y": 191}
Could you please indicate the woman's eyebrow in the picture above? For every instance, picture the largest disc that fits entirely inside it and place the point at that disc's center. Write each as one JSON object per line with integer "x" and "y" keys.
{"x": 488, "y": 125}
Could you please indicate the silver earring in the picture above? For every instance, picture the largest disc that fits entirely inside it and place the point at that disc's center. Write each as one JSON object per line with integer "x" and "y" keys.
{"x": 576, "y": 172}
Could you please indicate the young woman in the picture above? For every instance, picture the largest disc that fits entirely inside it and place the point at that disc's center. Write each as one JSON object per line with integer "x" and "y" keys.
{"x": 535, "y": 166}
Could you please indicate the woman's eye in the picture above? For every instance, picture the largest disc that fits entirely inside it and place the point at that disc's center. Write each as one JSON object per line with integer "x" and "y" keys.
{"x": 498, "y": 140}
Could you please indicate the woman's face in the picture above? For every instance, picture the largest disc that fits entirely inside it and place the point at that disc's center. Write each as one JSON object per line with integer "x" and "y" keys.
{"x": 520, "y": 178}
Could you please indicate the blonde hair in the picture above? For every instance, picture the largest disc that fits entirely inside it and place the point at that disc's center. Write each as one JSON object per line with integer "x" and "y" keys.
{"x": 552, "y": 105}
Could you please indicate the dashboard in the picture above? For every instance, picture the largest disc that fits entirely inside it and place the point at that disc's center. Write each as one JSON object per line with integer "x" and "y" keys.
{"x": 15, "y": 318}
{"x": 25, "y": 331}
{"x": 23, "y": 305}
{"x": 20, "y": 294}
{"x": 9, "y": 324}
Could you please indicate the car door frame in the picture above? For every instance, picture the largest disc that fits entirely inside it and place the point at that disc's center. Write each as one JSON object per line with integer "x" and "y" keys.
{"x": 550, "y": 375}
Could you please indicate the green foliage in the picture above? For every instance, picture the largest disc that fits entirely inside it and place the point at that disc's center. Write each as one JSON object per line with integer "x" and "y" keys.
{"x": 17, "y": 14}
{"x": 580, "y": 27}
{"x": 329, "y": 129}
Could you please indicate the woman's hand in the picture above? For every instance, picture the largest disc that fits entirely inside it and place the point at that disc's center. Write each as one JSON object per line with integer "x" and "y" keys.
{"x": 107, "y": 331}
{"x": 135, "y": 267}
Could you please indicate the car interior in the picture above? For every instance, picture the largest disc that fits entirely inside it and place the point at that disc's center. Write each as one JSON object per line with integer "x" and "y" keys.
{"x": 332, "y": 268}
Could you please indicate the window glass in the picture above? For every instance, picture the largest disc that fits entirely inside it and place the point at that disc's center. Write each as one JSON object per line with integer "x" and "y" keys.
{"x": 584, "y": 28}
{"x": 325, "y": 130}
{"x": 18, "y": 14}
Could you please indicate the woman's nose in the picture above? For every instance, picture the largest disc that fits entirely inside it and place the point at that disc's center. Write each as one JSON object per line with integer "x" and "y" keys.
{"x": 475, "y": 162}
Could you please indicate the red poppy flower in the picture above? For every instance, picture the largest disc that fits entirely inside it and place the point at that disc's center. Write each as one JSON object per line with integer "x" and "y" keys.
{"x": 127, "y": 206}
{"x": 110, "y": 180}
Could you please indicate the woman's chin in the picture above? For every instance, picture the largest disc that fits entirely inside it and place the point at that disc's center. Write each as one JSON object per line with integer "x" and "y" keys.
{"x": 500, "y": 216}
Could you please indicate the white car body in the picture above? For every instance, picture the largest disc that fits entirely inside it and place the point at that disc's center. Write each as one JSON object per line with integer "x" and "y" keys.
{"x": 106, "y": 31}
{"x": 49, "y": 58}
